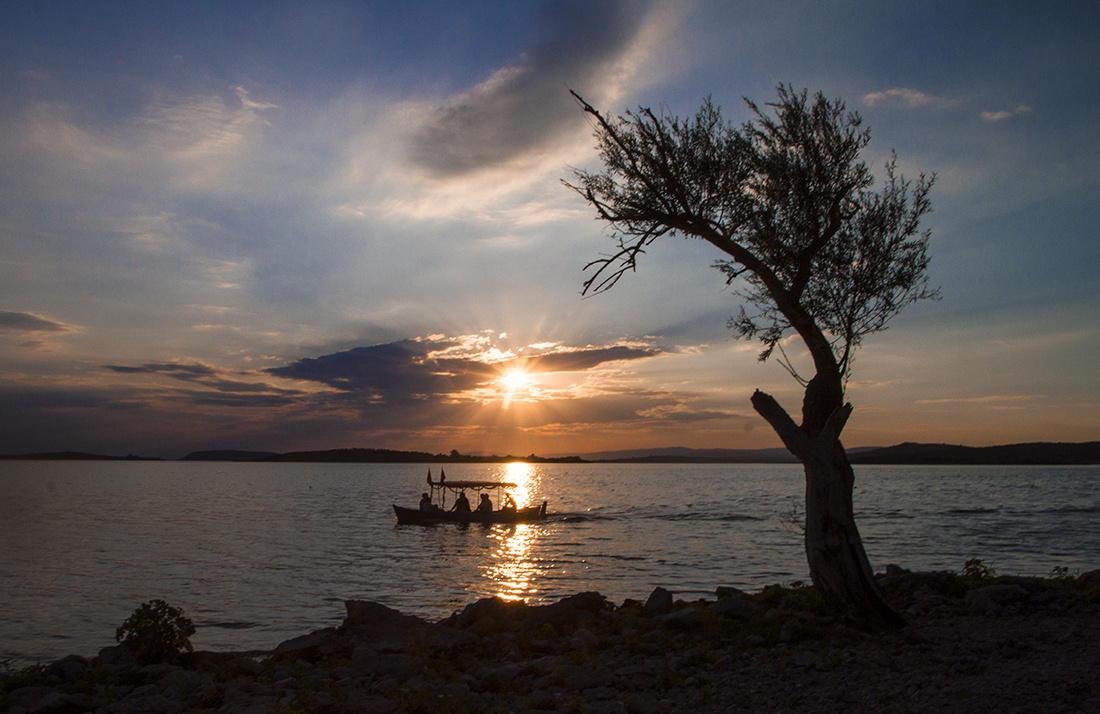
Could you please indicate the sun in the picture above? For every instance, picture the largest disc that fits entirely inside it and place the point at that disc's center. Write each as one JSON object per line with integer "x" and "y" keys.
{"x": 515, "y": 379}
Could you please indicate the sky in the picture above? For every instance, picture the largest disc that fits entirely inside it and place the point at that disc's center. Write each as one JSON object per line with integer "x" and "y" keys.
{"x": 285, "y": 226}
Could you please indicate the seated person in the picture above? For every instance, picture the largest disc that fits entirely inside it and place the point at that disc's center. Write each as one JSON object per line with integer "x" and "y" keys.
{"x": 486, "y": 506}
{"x": 461, "y": 504}
{"x": 425, "y": 502}
{"x": 509, "y": 503}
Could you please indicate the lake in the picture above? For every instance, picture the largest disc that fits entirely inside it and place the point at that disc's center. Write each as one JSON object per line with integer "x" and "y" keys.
{"x": 258, "y": 553}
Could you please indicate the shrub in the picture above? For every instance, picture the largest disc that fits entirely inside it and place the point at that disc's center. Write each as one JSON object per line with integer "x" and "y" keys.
{"x": 156, "y": 632}
{"x": 977, "y": 570}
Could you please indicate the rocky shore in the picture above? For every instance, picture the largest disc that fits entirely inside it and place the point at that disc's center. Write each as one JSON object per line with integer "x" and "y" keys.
{"x": 974, "y": 643}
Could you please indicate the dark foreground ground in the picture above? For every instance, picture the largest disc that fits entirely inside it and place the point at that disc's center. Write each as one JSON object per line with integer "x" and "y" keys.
{"x": 974, "y": 644}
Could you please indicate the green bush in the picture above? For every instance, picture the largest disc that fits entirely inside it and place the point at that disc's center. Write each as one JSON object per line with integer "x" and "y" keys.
{"x": 156, "y": 632}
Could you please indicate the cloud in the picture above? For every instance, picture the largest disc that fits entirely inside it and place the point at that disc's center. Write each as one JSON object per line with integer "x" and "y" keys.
{"x": 399, "y": 370}
{"x": 991, "y": 399}
{"x": 195, "y": 143}
{"x": 905, "y": 97}
{"x": 580, "y": 360}
{"x": 29, "y": 322}
{"x": 207, "y": 376}
{"x": 524, "y": 107}
{"x": 1002, "y": 115}
{"x": 426, "y": 368}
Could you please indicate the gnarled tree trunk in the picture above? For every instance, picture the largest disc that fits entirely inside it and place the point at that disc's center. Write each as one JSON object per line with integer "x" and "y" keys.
{"x": 838, "y": 564}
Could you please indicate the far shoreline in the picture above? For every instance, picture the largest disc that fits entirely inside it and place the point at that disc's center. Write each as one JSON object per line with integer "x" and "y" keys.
{"x": 906, "y": 454}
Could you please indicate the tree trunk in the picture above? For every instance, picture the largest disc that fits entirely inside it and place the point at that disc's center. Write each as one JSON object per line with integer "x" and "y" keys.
{"x": 838, "y": 564}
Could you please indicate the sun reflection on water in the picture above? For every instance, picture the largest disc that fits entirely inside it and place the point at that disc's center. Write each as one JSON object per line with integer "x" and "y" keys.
{"x": 512, "y": 568}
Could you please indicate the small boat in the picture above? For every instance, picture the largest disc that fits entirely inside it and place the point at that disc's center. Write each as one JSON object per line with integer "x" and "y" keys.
{"x": 436, "y": 510}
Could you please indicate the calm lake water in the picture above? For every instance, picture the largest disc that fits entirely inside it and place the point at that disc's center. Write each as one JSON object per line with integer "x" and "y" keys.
{"x": 259, "y": 553}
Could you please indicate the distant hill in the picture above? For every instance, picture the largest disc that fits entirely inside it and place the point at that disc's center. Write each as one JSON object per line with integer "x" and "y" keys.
{"x": 228, "y": 455}
{"x": 74, "y": 456}
{"x": 681, "y": 455}
{"x": 1039, "y": 453}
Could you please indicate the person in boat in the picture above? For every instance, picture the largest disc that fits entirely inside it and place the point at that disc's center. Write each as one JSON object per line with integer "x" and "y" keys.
{"x": 461, "y": 504}
{"x": 486, "y": 506}
{"x": 425, "y": 502}
{"x": 509, "y": 504}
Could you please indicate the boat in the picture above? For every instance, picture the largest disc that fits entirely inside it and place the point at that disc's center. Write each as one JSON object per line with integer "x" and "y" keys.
{"x": 439, "y": 513}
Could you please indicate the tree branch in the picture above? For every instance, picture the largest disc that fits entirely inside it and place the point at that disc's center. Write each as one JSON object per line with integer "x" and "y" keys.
{"x": 792, "y": 435}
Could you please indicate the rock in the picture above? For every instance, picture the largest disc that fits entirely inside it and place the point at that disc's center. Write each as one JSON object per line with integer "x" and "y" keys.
{"x": 366, "y": 659}
{"x": 569, "y": 611}
{"x": 728, "y": 591}
{"x": 389, "y": 630}
{"x": 190, "y": 683}
{"x": 58, "y": 703}
{"x": 993, "y": 598}
{"x": 26, "y": 697}
{"x": 1092, "y": 576}
{"x": 487, "y": 609}
{"x": 495, "y": 678}
{"x": 312, "y": 647}
{"x": 542, "y": 700}
{"x": 576, "y": 679}
{"x": 659, "y": 602}
{"x": 584, "y": 639}
{"x": 738, "y": 607}
{"x": 68, "y": 668}
{"x": 685, "y": 619}
{"x": 118, "y": 657}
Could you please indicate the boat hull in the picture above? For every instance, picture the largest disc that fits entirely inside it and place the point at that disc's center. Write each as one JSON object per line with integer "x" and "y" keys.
{"x": 416, "y": 517}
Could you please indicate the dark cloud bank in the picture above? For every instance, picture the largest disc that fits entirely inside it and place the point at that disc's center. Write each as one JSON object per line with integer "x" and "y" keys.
{"x": 409, "y": 369}
{"x": 527, "y": 106}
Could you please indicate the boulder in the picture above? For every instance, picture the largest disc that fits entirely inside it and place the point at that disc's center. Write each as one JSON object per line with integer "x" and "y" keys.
{"x": 487, "y": 609}
{"x": 572, "y": 610}
{"x": 1092, "y": 576}
{"x": 313, "y": 647}
{"x": 388, "y": 630}
{"x": 993, "y": 598}
{"x": 736, "y": 607}
{"x": 686, "y": 619}
{"x": 68, "y": 668}
{"x": 729, "y": 591}
{"x": 659, "y": 602}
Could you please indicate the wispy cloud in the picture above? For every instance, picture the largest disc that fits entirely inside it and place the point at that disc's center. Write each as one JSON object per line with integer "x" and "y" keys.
{"x": 194, "y": 142}
{"x": 29, "y": 322}
{"x": 1003, "y": 115}
{"x": 33, "y": 329}
{"x": 523, "y": 107}
{"x": 208, "y": 376}
{"x": 902, "y": 96}
{"x": 993, "y": 399}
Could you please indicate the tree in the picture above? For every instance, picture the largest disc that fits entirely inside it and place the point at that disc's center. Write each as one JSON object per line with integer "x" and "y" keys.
{"x": 809, "y": 248}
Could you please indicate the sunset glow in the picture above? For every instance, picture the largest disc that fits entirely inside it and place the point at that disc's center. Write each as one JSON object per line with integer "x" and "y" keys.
{"x": 351, "y": 230}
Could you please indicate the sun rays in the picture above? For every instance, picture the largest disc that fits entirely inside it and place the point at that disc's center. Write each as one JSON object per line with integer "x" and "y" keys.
{"x": 515, "y": 380}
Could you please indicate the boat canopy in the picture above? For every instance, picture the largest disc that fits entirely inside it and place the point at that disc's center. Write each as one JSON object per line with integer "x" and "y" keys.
{"x": 462, "y": 485}
{"x": 440, "y": 488}
{"x": 474, "y": 484}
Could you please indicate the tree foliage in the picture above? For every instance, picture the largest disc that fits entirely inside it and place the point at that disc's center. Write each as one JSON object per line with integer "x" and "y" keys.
{"x": 811, "y": 247}
{"x": 156, "y": 632}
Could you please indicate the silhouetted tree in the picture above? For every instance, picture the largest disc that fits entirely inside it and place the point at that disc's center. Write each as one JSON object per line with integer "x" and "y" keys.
{"x": 810, "y": 249}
